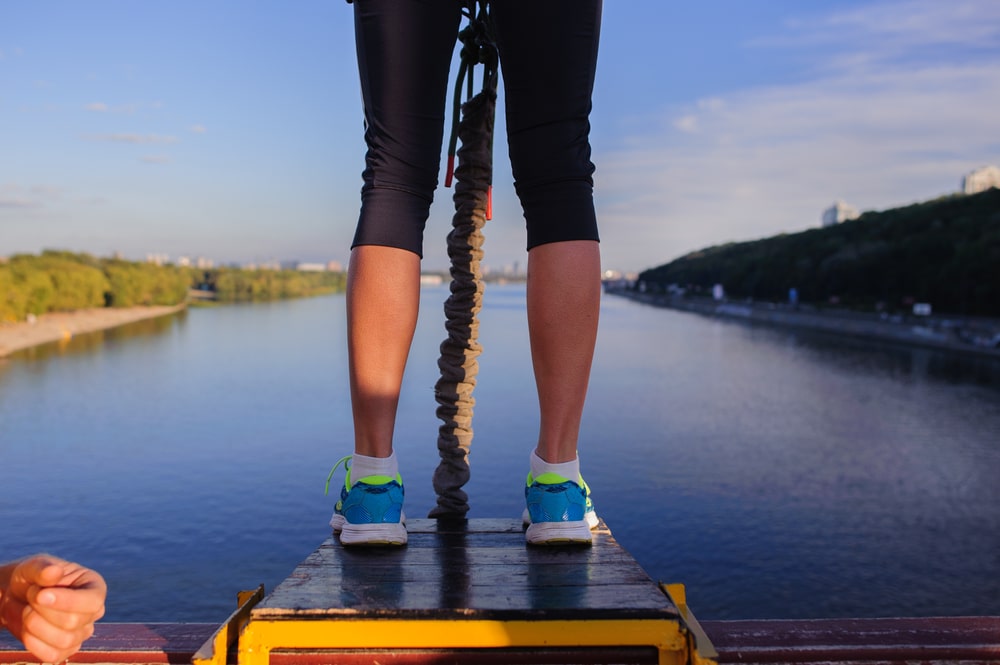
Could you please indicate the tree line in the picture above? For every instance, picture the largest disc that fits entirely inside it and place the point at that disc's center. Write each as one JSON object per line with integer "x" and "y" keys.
{"x": 945, "y": 252}
{"x": 59, "y": 281}
{"x": 239, "y": 285}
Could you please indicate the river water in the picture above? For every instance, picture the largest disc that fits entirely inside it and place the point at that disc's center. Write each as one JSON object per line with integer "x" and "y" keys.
{"x": 777, "y": 474}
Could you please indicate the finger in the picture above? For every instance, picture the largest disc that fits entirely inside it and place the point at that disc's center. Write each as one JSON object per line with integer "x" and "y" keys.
{"x": 38, "y": 630}
{"x": 86, "y": 601}
{"x": 64, "y": 621}
{"x": 41, "y": 569}
{"x": 48, "y": 653}
{"x": 12, "y": 611}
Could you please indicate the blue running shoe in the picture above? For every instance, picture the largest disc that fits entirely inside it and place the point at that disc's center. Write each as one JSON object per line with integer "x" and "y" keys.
{"x": 370, "y": 512}
{"x": 589, "y": 514}
{"x": 557, "y": 510}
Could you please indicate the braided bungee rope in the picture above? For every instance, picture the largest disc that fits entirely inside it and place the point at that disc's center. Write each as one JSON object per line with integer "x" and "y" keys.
{"x": 458, "y": 362}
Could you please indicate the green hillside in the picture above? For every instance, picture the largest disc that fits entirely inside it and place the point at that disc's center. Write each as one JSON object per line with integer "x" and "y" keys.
{"x": 945, "y": 252}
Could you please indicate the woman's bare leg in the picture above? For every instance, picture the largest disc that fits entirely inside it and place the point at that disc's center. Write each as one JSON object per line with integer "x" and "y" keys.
{"x": 564, "y": 295}
{"x": 383, "y": 293}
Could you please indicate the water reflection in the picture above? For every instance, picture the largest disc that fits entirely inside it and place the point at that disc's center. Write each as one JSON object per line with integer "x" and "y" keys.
{"x": 776, "y": 474}
{"x": 899, "y": 361}
{"x": 98, "y": 340}
{"x": 797, "y": 466}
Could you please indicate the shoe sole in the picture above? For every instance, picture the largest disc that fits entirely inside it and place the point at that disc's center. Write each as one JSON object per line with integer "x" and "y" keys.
{"x": 590, "y": 518}
{"x": 558, "y": 533}
{"x": 373, "y": 534}
{"x": 337, "y": 522}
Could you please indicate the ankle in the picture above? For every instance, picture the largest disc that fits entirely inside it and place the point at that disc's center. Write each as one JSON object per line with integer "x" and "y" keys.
{"x": 569, "y": 470}
{"x": 363, "y": 466}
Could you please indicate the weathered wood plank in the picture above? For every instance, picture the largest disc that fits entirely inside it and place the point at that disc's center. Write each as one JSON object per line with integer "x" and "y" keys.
{"x": 969, "y": 640}
{"x": 482, "y": 525}
{"x": 138, "y": 643}
{"x": 418, "y": 554}
{"x": 478, "y": 574}
{"x": 429, "y": 602}
{"x": 478, "y": 568}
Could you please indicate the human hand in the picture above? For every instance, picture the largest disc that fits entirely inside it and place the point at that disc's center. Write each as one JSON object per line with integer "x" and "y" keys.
{"x": 51, "y": 605}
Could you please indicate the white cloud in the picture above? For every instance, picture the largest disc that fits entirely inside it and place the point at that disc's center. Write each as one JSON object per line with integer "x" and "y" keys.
{"x": 46, "y": 191}
{"x": 687, "y": 123}
{"x": 128, "y": 109}
{"x": 919, "y": 23}
{"x": 155, "y": 159}
{"x": 17, "y": 203}
{"x": 761, "y": 161}
{"x": 198, "y": 129}
{"x": 18, "y": 197}
{"x": 884, "y": 28}
{"x": 133, "y": 138}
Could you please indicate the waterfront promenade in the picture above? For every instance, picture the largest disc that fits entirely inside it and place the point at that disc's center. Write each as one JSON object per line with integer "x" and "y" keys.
{"x": 978, "y": 336}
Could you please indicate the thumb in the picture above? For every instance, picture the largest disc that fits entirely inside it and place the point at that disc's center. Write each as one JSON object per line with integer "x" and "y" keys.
{"x": 40, "y": 570}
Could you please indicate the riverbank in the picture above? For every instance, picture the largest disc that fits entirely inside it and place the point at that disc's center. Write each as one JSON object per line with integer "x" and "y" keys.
{"x": 966, "y": 335}
{"x": 58, "y": 326}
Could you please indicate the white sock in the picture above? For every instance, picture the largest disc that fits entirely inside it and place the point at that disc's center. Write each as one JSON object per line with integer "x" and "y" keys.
{"x": 568, "y": 470}
{"x": 363, "y": 466}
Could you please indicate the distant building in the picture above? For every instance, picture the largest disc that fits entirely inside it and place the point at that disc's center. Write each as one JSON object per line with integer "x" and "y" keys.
{"x": 334, "y": 266}
{"x": 981, "y": 179}
{"x": 616, "y": 279}
{"x": 310, "y": 267}
{"x": 839, "y": 212}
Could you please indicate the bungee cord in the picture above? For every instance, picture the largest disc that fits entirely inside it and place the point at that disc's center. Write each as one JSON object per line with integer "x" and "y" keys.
{"x": 472, "y": 123}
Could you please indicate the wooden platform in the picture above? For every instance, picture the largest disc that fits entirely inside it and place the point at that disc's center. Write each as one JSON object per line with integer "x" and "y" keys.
{"x": 464, "y": 569}
{"x": 472, "y": 590}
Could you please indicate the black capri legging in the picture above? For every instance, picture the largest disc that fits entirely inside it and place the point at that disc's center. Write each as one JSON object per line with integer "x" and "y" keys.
{"x": 548, "y": 55}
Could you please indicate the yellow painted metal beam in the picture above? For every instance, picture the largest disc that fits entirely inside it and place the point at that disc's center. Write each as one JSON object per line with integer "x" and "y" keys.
{"x": 703, "y": 651}
{"x": 261, "y": 637}
{"x": 214, "y": 651}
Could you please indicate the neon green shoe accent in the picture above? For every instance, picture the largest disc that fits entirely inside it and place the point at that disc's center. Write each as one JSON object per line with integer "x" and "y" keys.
{"x": 547, "y": 479}
{"x": 380, "y": 480}
{"x": 345, "y": 460}
{"x": 368, "y": 480}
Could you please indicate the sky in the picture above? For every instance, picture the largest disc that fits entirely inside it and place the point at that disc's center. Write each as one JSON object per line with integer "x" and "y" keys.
{"x": 232, "y": 129}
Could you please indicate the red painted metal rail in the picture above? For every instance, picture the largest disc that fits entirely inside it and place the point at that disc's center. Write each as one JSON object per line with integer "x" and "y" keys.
{"x": 965, "y": 640}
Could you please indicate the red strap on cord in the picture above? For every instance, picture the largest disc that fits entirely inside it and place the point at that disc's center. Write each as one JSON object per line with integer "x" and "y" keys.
{"x": 450, "y": 172}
